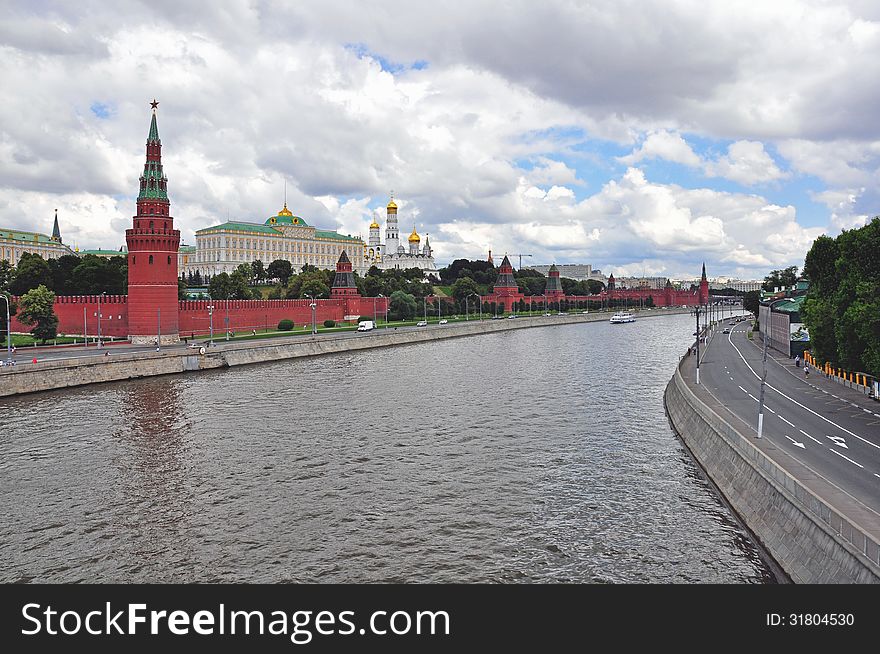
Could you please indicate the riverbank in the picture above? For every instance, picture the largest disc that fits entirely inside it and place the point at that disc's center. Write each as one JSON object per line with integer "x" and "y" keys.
{"x": 64, "y": 373}
{"x": 810, "y": 528}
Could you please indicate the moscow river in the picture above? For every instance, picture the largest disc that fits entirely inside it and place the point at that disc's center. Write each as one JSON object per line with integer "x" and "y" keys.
{"x": 535, "y": 455}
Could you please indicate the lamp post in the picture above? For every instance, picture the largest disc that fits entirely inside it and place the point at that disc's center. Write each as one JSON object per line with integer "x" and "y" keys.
{"x": 466, "y": 307}
{"x": 384, "y": 311}
{"x": 227, "y": 319}
{"x": 211, "y": 319}
{"x": 8, "y": 331}
{"x": 425, "y": 303}
{"x": 158, "y": 329}
{"x": 763, "y": 381}
{"x": 544, "y": 295}
{"x": 99, "y": 318}
{"x": 698, "y": 344}
{"x": 313, "y": 306}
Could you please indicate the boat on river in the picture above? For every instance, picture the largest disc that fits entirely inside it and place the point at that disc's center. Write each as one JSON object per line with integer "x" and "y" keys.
{"x": 621, "y": 317}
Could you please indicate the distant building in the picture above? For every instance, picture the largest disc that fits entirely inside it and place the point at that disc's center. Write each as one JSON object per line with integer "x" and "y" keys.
{"x": 14, "y": 243}
{"x": 106, "y": 254}
{"x": 655, "y": 283}
{"x": 579, "y": 272}
{"x": 222, "y": 248}
{"x": 392, "y": 254}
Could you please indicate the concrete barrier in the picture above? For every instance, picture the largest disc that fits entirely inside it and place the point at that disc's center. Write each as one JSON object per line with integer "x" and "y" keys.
{"x": 816, "y": 534}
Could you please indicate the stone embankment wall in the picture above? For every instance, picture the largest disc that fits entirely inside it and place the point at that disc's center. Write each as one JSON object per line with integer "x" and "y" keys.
{"x": 53, "y": 374}
{"x": 811, "y": 540}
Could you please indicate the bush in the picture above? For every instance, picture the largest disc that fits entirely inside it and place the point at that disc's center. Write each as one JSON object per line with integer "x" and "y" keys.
{"x": 285, "y": 325}
{"x": 329, "y": 323}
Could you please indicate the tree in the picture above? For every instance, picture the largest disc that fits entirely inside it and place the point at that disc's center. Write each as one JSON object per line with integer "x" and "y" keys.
{"x": 95, "y": 275}
{"x": 197, "y": 278}
{"x": 259, "y": 273}
{"x": 31, "y": 272}
{"x": 780, "y": 278}
{"x": 37, "y": 308}
{"x": 280, "y": 269}
{"x": 220, "y": 287}
{"x": 594, "y": 286}
{"x": 246, "y": 272}
{"x": 401, "y": 306}
{"x": 238, "y": 284}
{"x": 181, "y": 289}
{"x": 62, "y": 272}
{"x": 463, "y": 287}
{"x": 7, "y": 274}
{"x": 314, "y": 287}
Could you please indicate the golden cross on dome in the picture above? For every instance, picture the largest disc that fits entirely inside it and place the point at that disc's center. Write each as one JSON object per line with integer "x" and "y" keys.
{"x": 154, "y": 104}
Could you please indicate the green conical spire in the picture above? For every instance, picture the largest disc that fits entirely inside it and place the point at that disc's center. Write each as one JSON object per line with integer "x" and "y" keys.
{"x": 154, "y": 130}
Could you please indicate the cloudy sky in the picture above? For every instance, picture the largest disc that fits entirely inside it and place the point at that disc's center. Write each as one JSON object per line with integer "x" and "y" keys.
{"x": 640, "y": 137}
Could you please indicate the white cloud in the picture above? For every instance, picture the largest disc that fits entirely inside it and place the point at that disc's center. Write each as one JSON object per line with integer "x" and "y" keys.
{"x": 746, "y": 162}
{"x": 663, "y": 145}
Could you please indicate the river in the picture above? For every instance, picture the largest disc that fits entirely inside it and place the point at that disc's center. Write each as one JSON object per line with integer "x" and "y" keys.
{"x": 534, "y": 455}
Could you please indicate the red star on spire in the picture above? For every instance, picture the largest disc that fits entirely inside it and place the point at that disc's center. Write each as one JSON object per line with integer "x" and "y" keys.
{"x": 154, "y": 104}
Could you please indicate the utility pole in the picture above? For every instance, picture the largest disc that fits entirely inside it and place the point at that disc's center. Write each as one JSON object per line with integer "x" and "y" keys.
{"x": 761, "y": 396}
{"x": 698, "y": 344}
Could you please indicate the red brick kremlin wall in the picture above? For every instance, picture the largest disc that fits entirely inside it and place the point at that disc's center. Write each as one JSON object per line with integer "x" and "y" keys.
{"x": 244, "y": 315}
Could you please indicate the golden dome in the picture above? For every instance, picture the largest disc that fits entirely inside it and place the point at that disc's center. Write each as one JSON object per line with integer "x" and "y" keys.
{"x": 414, "y": 237}
{"x": 285, "y": 211}
{"x": 391, "y": 204}
{"x": 374, "y": 224}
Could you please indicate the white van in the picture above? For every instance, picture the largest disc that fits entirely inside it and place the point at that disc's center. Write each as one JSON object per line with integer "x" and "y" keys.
{"x": 365, "y": 325}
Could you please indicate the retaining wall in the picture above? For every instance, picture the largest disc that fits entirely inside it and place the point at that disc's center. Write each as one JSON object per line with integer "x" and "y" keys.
{"x": 814, "y": 540}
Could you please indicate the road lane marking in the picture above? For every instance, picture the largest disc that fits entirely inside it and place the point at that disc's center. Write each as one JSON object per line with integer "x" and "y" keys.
{"x": 743, "y": 390}
{"x": 810, "y": 437}
{"x": 838, "y": 440}
{"x": 796, "y": 443}
{"x": 846, "y": 457}
{"x": 769, "y": 409}
{"x": 753, "y": 397}
{"x": 788, "y": 422}
{"x": 790, "y": 399}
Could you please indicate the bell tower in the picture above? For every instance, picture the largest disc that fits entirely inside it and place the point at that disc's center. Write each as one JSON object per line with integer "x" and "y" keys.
{"x": 152, "y": 254}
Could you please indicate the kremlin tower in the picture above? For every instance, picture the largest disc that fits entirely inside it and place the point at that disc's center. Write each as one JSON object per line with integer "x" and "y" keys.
{"x": 152, "y": 254}
{"x": 554, "y": 283}
{"x": 392, "y": 241}
{"x": 344, "y": 285}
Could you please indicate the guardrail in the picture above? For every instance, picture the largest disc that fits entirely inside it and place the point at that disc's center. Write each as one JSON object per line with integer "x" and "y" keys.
{"x": 863, "y": 382}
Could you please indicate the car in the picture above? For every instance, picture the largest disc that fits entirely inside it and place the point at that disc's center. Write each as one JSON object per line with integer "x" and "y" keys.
{"x": 726, "y": 331}
{"x": 546, "y": 314}
{"x": 422, "y": 323}
{"x": 585, "y": 312}
{"x": 444, "y": 321}
{"x": 731, "y": 323}
{"x": 560, "y": 313}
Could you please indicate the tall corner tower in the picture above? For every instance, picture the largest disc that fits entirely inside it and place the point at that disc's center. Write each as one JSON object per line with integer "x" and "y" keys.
{"x": 344, "y": 284}
{"x": 392, "y": 239}
{"x": 153, "y": 242}
{"x": 554, "y": 283}
{"x": 704, "y": 287}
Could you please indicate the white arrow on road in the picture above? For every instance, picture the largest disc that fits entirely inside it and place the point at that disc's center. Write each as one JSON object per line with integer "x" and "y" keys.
{"x": 838, "y": 440}
{"x": 796, "y": 443}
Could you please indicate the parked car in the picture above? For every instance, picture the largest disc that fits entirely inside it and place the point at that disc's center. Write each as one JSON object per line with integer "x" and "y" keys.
{"x": 422, "y": 323}
{"x": 726, "y": 330}
{"x": 444, "y": 321}
{"x": 513, "y": 315}
{"x": 546, "y": 314}
{"x": 585, "y": 312}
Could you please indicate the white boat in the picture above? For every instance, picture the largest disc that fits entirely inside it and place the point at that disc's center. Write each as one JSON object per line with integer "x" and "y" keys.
{"x": 622, "y": 317}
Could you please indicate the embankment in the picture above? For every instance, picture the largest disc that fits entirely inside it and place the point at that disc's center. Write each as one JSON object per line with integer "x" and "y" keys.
{"x": 809, "y": 527}
{"x": 62, "y": 373}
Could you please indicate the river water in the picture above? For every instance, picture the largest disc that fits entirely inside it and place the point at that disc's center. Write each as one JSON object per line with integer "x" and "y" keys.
{"x": 537, "y": 455}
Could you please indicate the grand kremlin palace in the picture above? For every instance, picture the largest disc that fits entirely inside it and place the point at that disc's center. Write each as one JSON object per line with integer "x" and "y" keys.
{"x": 223, "y": 248}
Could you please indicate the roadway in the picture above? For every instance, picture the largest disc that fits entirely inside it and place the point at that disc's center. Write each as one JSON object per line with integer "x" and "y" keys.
{"x": 830, "y": 429}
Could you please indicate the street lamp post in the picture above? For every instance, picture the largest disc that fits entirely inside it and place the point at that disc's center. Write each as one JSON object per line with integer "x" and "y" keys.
{"x": 543, "y": 295}
{"x": 99, "y": 318}
{"x": 761, "y": 396}
{"x": 211, "y": 319}
{"x": 227, "y": 319}
{"x": 384, "y": 311}
{"x": 158, "y": 329}
{"x": 313, "y": 306}
{"x": 698, "y": 344}
{"x": 425, "y": 303}
{"x": 8, "y": 331}
{"x": 466, "y": 307}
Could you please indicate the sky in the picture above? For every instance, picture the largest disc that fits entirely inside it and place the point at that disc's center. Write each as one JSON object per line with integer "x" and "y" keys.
{"x": 640, "y": 137}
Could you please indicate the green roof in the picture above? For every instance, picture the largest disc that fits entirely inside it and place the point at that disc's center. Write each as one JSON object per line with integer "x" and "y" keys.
{"x": 18, "y": 235}
{"x": 241, "y": 227}
{"x": 789, "y": 304}
{"x": 283, "y": 219}
{"x": 104, "y": 253}
{"x": 187, "y": 248}
{"x": 320, "y": 233}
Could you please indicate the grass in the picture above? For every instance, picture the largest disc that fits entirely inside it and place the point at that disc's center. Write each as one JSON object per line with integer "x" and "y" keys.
{"x": 26, "y": 340}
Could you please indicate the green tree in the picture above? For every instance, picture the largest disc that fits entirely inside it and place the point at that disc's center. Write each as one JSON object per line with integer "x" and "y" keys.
{"x": 246, "y": 271}
{"x": 315, "y": 287}
{"x": 181, "y": 289}
{"x": 197, "y": 278}
{"x": 32, "y": 271}
{"x": 238, "y": 284}
{"x": 220, "y": 287}
{"x": 463, "y": 287}
{"x": 38, "y": 309}
{"x": 780, "y": 278}
{"x": 95, "y": 275}
{"x": 751, "y": 301}
{"x": 401, "y": 306}
{"x": 7, "y": 274}
{"x": 280, "y": 269}
{"x": 61, "y": 270}
{"x": 259, "y": 272}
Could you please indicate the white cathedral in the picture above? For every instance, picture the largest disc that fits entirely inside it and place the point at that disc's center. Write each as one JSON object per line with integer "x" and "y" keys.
{"x": 393, "y": 254}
